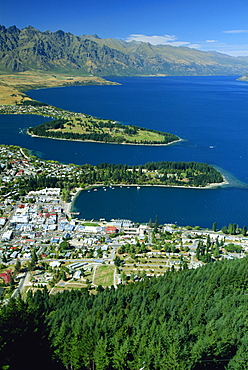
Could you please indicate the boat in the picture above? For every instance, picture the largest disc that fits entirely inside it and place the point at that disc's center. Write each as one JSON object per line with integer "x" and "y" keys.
{"x": 138, "y": 187}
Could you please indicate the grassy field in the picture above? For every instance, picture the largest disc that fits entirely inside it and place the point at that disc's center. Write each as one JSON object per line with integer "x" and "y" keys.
{"x": 90, "y": 224}
{"x": 104, "y": 275}
{"x": 85, "y": 125}
{"x": 13, "y": 86}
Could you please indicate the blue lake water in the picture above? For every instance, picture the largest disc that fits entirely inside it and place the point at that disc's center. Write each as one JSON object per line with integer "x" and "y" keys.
{"x": 209, "y": 113}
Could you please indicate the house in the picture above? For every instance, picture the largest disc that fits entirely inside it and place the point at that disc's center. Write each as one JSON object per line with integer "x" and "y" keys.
{"x": 54, "y": 264}
{"x": 111, "y": 230}
{"x": 7, "y": 235}
{"x": 2, "y": 221}
{"x": 6, "y": 276}
{"x": 77, "y": 274}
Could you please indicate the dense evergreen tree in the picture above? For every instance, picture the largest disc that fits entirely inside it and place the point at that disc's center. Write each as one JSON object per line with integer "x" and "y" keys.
{"x": 214, "y": 227}
{"x": 190, "y": 319}
{"x": 244, "y": 230}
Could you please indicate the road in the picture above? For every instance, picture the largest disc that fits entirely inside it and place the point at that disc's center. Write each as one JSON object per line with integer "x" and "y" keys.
{"x": 23, "y": 282}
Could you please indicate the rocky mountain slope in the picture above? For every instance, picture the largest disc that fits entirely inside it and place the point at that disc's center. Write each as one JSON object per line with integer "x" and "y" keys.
{"x": 29, "y": 50}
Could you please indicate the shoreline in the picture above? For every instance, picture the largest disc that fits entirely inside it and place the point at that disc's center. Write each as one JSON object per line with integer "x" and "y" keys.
{"x": 68, "y": 206}
{"x": 79, "y": 190}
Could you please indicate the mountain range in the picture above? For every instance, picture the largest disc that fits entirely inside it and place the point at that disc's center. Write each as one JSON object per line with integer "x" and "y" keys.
{"x": 29, "y": 49}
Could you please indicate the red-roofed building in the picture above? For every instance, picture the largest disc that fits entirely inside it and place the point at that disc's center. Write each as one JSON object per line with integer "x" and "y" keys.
{"x": 111, "y": 230}
{"x": 6, "y": 276}
{"x": 20, "y": 173}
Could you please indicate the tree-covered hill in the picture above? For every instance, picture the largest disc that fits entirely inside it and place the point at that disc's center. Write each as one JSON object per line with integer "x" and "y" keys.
{"x": 190, "y": 319}
{"x": 243, "y": 78}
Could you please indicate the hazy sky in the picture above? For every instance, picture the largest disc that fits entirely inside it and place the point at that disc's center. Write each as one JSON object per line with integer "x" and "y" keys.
{"x": 220, "y": 25}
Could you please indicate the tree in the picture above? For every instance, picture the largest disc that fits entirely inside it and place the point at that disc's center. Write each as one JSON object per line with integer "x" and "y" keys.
{"x": 12, "y": 283}
{"x": 244, "y": 230}
{"x": 123, "y": 276}
{"x": 34, "y": 260}
{"x": 64, "y": 245}
{"x": 132, "y": 276}
{"x": 216, "y": 251}
{"x": 65, "y": 195}
{"x": 101, "y": 356}
{"x": 208, "y": 243}
{"x": 224, "y": 230}
{"x": 233, "y": 248}
{"x": 117, "y": 261}
{"x": 232, "y": 228}
{"x": 17, "y": 266}
{"x": 143, "y": 274}
{"x": 4, "y": 259}
{"x": 100, "y": 288}
{"x": 149, "y": 222}
{"x": 214, "y": 227}
{"x": 156, "y": 224}
{"x": 63, "y": 275}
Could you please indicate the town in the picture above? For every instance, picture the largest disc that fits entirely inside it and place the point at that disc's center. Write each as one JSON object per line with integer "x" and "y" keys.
{"x": 33, "y": 107}
{"x": 44, "y": 243}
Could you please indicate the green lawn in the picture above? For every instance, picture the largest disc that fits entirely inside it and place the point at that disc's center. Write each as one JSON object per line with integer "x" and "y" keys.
{"x": 104, "y": 275}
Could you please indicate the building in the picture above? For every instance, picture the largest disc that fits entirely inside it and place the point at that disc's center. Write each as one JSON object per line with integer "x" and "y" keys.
{"x": 6, "y": 276}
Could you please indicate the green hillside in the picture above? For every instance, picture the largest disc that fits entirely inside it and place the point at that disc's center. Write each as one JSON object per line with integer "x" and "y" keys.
{"x": 190, "y": 319}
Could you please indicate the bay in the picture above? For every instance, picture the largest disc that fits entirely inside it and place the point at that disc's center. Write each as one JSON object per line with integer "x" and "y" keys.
{"x": 209, "y": 113}
{"x": 194, "y": 207}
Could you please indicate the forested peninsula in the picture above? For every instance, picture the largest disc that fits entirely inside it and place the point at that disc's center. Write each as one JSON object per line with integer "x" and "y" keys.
{"x": 190, "y": 319}
{"x": 107, "y": 131}
{"x": 83, "y": 127}
{"x": 78, "y": 126}
{"x": 183, "y": 174}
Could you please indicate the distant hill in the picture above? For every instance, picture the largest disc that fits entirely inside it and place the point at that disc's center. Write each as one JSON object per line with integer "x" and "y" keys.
{"x": 243, "y": 78}
{"x": 31, "y": 50}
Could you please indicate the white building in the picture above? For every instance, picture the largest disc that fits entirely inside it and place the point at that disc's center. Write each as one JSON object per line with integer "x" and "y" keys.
{"x": 7, "y": 235}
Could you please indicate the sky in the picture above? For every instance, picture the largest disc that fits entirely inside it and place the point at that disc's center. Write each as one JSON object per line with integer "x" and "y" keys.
{"x": 208, "y": 25}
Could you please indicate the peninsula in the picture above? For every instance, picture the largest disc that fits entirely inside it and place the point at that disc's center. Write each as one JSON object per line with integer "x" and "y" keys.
{"x": 68, "y": 125}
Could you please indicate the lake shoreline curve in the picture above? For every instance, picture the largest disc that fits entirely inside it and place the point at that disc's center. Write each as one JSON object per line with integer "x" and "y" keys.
{"x": 69, "y": 206}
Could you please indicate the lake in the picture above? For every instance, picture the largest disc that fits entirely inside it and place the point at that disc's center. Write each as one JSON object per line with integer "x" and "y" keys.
{"x": 209, "y": 113}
